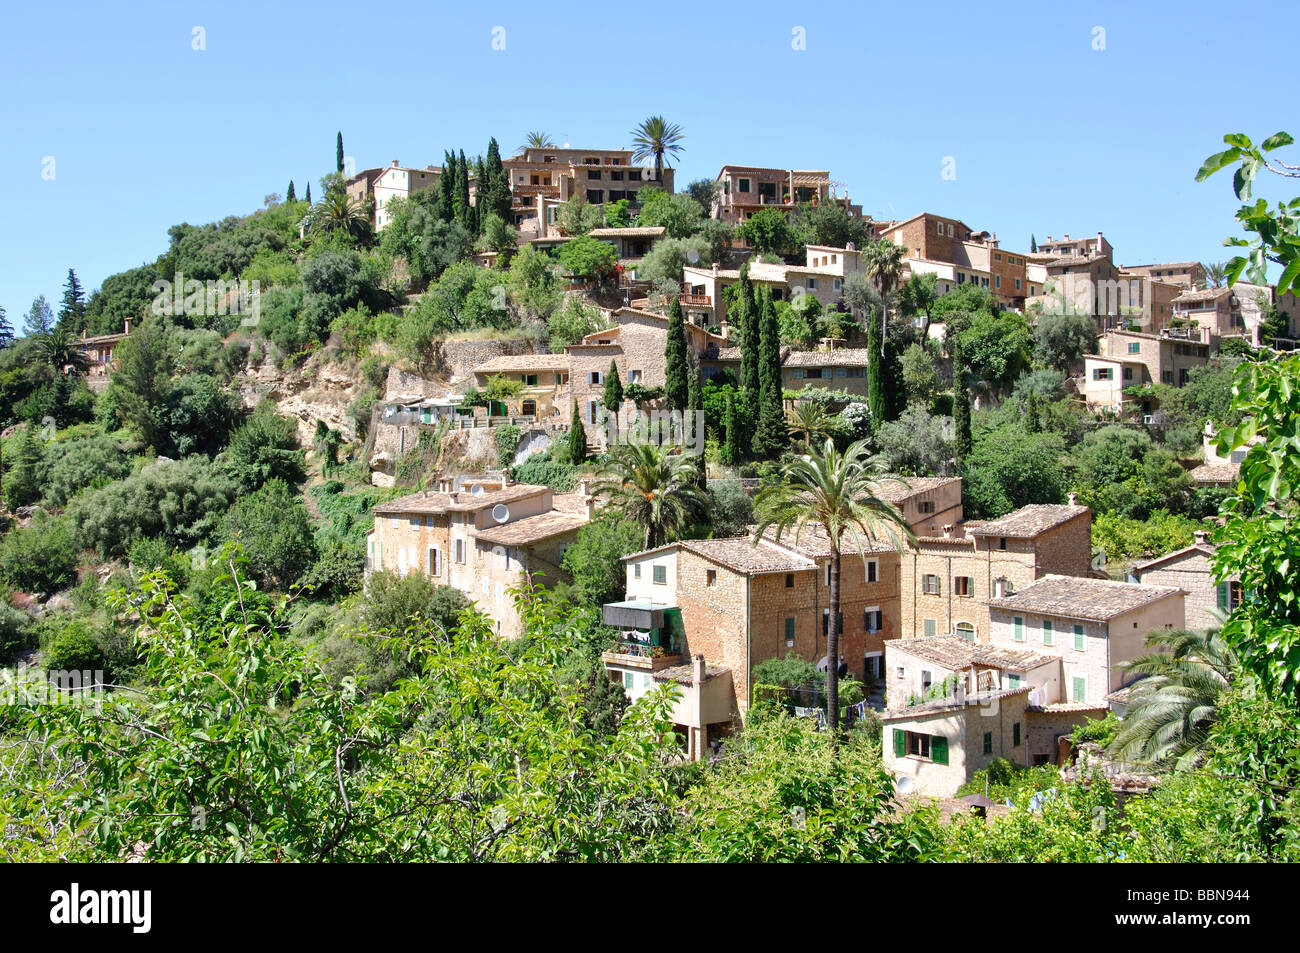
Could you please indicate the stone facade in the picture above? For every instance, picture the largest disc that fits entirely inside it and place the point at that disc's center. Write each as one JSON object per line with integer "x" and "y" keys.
{"x": 1190, "y": 570}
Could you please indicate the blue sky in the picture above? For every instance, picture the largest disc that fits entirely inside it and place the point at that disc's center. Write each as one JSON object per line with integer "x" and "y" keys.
{"x": 1048, "y": 135}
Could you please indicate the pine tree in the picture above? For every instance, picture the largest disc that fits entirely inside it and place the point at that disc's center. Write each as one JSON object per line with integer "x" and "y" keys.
{"x": 6, "y": 331}
{"x": 771, "y": 434}
{"x": 22, "y": 479}
{"x": 877, "y": 373}
{"x": 960, "y": 406}
{"x": 577, "y": 437}
{"x": 72, "y": 312}
{"x": 731, "y": 450}
{"x": 338, "y": 152}
{"x": 613, "y": 389}
{"x": 461, "y": 205}
{"x": 308, "y": 199}
{"x": 675, "y": 387}
{"x": 447, "y": 187}
{"x": 289, "y": 196}
{"x": 40, "y": 319}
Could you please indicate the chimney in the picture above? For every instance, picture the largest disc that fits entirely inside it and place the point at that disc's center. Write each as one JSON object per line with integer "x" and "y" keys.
{"x": 394, "y": 163}
{"x": 1202, "y": 537}
{"x": 584, "y": 486}
{"x": 128, "y": 326}
{"x": 697, "y": 671}
{"x": 715, "y": 269}
{"x": 1066, "y": 238}
{"x": 959, "y": 692}
{"x": 725, "y": 329}
{"x": 1074, "y": 499}
{"x": 947, "y": 531}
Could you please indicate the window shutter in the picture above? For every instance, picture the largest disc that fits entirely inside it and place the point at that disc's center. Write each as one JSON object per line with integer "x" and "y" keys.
{"x": 900, "y": 743}
{"x": 1221, "y": 592}
{"x": 939, "y": 750}
{"x": 988, "y": 742}
{"x": 1015, "y": 735}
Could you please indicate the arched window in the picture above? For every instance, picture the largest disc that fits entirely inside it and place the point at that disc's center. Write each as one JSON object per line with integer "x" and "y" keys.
{"x": 966, "y": 631}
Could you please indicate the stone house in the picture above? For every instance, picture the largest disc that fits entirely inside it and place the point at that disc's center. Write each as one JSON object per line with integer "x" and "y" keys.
{"x": 543, "y": 179}
{"x": 946, "y": 579}
{"x": 545, "y": 392}
{"x": 743, "y": 191}
{"x": 1138, "y": 359}
{"x": 929, "y": 236}
{"x": 1225, "y": 312}
{"x": 394, "y": 182}
{"x": 1185, "y": 274}
{"x": 482, "y": 539}
{"x": 101, "y": 353}
{"x": 822, "y": 275}
{"x": 1189, "y": 569}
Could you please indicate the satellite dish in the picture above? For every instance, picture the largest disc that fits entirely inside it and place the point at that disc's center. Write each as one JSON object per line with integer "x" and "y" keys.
{"x": 692, "y": 256}
{"x": 904, "y": 785}
{"x": 476, "y": 490}
{"x": 501, "y": 512}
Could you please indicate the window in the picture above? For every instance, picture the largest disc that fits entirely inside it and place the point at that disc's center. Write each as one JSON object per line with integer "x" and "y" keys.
{"x": 997, "y": 281}
{"x": 873, "y": 570}
{"x": 927, "y": 679}
{"x": 661, "y": 575}
{"x": 460, "y": 551}
{"x": 1049, "y": 634}
{"x": 789, "y": 633}
{"x": 1103, "y": 373}
{"x": 710, "y": 577}
{"x": 634, "y": 376}
{"x": 636, "y": 570}
{"x": 812, "y": 284}
{"x": 435, "y": 564}
{"x": 1134, "y": 347}
{"x": 950, "y": 230}
{"x": 938, "y": 228}
{"x": 1017, "y": 284}
{"x": 596, "y": 196}
{"x": 597, "y": 377}
{"x": 789, "y": 580}
{"x": 593, "y": 174}
{"x": 1228, "y": 595}
{"x": 1018, "y": 628}
{"x": 1078, "y": 638}
{"x": 744, "y": 186}
{"x": 930, "y": 627}
{"x": 925, "y": 506}
{"x": 530, "y": 380}
{"x": 961, "y": 586}
{"x": 930, "y": 584}
{"x": 616, "y": 176}
{"x": 1015, "y": 735}
{"x": 966, "y": 631}
{"x": 874, "y": 619}
{"x": 1128, "y": 373}
{"x": 837, "y": 284}
{"x": 988, "y": 742}
{"x": 634, "y": 175}
{"x": 1079, "y": 688}
{"x": 1002, "y": 542}
{"x": 1013, "y": 681}
{"x": 916, "y": 745}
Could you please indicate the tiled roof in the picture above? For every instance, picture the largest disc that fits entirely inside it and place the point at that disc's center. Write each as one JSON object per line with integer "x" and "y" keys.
{"x": 1029, "y": 521}
{"x": 1205, "y": 549}
{"x": 813, "y": 543}
{"x": 949, "y": 704}
{"x": 649, "y": 231}
{"x": 1205, "y": 294}
{"x": 726, "y": 354}
{"x": 1069, "y": 707}
{"x": 524, "y": 362}
{"x": 740, "y": 553}
{"x": 1073, "y": 260}
{"x": 685, "y": 674}
{"x": 1188, "y": 265}
{"x": 1217, "y": 473}
{"x": 895, "y": 492}
{"x": 956, "y": 654}
{"x": 1079, "y": 597}
{"x": 462, "y": 501}
{"x": 532, "y": 529}
{"x": 840, "y": 357}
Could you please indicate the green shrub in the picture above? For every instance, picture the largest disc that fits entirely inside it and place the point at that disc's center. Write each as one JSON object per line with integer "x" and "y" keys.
{"x": 41, "y": 557}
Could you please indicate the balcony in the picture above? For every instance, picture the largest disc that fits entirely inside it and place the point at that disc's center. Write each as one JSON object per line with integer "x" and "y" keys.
{"x": 649, "y": 635}
{"x": 661, "y": 301}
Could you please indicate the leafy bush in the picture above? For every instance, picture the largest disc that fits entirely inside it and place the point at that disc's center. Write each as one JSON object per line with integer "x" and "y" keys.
{"x": 394, "y": 602}
{"x": 274, "y": 530}
{"x": 730, "y": 507}
{"x": 507, "y": 440}
{"x": 265, "y": 448}
{"x": 41, "y": 557}
{"x": 1125, "y": 538}
{"x": 541, "y": 469}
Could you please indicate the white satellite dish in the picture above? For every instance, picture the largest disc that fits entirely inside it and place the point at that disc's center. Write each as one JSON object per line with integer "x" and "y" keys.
{"x": 904, "y": 785}
{"x": 501, "y": 512}
{"x": 476, "y": 490}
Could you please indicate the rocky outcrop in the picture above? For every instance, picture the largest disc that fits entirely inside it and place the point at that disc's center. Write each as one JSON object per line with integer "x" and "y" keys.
{"x": 321, "y": 389}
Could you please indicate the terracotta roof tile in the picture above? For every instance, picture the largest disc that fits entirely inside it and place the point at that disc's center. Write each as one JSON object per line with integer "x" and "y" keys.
{"x": 1029, "y": 521}
{"x": 956, "y": 654}
{"x": 462, "y": 501}
{"x": 532, "y": 529}
{"x": 1079, "y": 597}
{"x": 524, "y": 362}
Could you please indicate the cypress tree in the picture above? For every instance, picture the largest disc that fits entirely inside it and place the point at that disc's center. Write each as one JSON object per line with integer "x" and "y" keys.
{"x": 577, "y": 437}
{"x": 461, "y": 206}
{"x": 694, "y": 406}
{"x": 6, "y": 331}
{"x": 289, "y": 195}
{"x": 895, "y": 389}
{"x": 613, "y": 389}
{"x": 877, "y": 373}
{"x": 22, "y": 485}
{"x": 731, "y": 450}
{"x": 309, "y": 193}
{"x": 676, "y": 389}
{"x": 1033, "y": 422}
{"x": 960, "y": 406}
{"x": 447, "y": 187}
{"x": 1033, "y": 244}
{"x": 338, "y": 152}
{"x": 747, "y": 319}
{"x": 772, "y": 433}
{"x": 497, "y": 187}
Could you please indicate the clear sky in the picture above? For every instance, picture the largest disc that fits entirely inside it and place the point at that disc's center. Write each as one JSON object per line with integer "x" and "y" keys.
{"x": 1048, "y": 134}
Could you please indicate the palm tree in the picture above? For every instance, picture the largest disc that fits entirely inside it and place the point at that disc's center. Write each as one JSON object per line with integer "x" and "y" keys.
{"x": 809, "y": 421}
{"x": 337, "y": 210}
{"x": 59, "y": 350}
{"x": 883, "y": 262}
{"x": 655, "y": 138}
{"x": 655, "y": 487}
{"x": 1172, "y": 708}
{"x": 918, "y": 296}
{"x": 1215, "y": 273}
{"x": 837, "y": 494}
{"x": 537, "y": 140}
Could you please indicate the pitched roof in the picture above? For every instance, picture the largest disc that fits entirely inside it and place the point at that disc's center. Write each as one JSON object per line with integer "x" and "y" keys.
{"x": 1204, "y": 294}
{"x": 896, "y": 492}
{"x": 1217, "y": 473}
{"x": 1080, "y": 597}
{"x": 523, "y": 362}
{"x": 1205, "y": 549}
{"x": 1029, "y": 521}
{"x": 685, "y": 674}
{"x": 942, "y": 705}
{"x": 648, "y": 231}
{"x": 461, "y": 501}
{"x": 956, "y": 654}
{"x": 532, "y": 529}
{"x": 840, "y": 357}
{"x": 812, "y": 542}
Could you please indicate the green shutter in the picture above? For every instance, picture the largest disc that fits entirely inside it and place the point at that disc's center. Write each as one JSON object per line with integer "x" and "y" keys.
{"x": 1048, "y": 634}
{"x": 1078, "y": 637}
{"x": 1015, "y": 735}
{"x": 1222, "y": 592}
{"x": 988, "y": 742}
{"x": 789, "y": 630}
{"x": 1080, "y": 689}
{"x": 939, "y": 750}
{"x": 1019, "y": 625}
{"x": 900, "y": 743}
